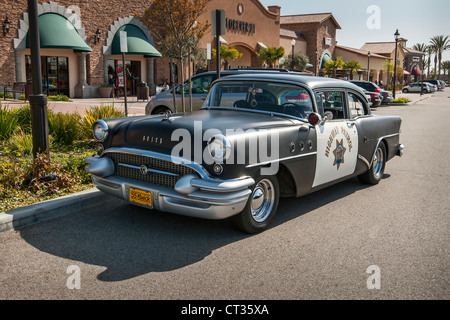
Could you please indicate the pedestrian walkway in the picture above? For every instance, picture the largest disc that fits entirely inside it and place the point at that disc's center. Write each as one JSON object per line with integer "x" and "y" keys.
{"x": 134, "y": 106}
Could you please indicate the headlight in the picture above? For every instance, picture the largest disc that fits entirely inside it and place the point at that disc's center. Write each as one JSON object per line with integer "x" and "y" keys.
{"x": 219, "y": 147}
{"x": 100, "y": 130}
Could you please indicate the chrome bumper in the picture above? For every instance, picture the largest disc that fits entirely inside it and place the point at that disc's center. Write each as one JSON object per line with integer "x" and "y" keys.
{"x": 192, "y": 196}
{"x": 400, "y": 150}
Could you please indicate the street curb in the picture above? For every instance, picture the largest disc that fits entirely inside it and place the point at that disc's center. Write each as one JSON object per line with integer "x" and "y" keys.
{"x": 43, "y": 211}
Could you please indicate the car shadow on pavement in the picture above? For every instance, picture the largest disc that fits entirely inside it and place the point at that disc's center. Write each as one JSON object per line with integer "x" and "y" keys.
{"x": 131, "y": 241}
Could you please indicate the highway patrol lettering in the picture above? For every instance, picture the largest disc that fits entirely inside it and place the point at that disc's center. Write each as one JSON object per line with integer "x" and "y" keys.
{"x": 333, "y": 134}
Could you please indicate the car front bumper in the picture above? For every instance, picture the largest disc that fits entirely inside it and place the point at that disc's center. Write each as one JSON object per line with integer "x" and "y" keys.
{"x": 192, "y": 196}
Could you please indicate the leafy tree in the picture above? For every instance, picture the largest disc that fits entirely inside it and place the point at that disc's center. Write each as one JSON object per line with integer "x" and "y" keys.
{"x": 353, "y": 66}
{"x": 439, "y": 44}
{"x": 176, "y": 28}
{"x": 271, "y": 55}
{"x": 227, "y": 54}
{"x": 331, "y": 66}
{"x": 298, "y": 62}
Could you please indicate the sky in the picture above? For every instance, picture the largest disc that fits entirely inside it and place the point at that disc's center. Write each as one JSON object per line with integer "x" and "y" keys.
{"x": 377, "y": 20}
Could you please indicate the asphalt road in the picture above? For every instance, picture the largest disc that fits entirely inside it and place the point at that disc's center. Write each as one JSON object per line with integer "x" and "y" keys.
{"x": 319, "y": 247}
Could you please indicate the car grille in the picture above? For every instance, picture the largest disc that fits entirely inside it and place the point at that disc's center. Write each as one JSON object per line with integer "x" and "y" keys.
{"x": 161, "y": 179}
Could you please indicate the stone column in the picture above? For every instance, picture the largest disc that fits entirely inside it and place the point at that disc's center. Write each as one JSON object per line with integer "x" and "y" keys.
{"x": 19, "y": 66}
{"x": 82, "y": 89}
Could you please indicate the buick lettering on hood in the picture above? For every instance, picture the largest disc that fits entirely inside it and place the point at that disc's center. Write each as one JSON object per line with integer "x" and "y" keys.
{"x": 258, "y": 137}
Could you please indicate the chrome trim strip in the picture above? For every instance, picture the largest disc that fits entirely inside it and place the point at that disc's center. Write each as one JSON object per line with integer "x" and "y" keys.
{"x": 149, "y": 169}
{"x": 193, "y": 165}
{"x": 282, "y": 159}
{"x": 378, "y": 143}
{"x": 360, "y": 157}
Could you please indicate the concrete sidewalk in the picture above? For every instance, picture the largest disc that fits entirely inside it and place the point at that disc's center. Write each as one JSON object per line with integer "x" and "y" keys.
{"x": 134, "y": 106}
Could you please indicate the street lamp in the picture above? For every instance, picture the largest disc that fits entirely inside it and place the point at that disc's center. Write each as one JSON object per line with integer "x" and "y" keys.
{"x": 6, "y": 26}
{"x": 293, "y": 47}
{"x": 97, "y": 36}
{"x": 368, "y": 66}
{"x": 396, "y": 35}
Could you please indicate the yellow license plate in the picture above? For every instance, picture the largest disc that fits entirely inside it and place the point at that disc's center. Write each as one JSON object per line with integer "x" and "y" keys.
{"x": 141, "y": 197}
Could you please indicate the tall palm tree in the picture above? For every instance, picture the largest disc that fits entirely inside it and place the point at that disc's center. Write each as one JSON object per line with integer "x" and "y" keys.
{"x": 440, "y": 44}
{"x": 331, "y": 66}
{"x": 446, "y": 66}
{"x": 353, "y": 67}
{"x": 271, "y": 55}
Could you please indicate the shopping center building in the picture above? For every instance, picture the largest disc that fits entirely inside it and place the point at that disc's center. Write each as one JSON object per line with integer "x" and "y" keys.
{"x": 80, "y": 40}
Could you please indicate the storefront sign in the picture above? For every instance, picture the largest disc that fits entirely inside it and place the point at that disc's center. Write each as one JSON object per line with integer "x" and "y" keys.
{"x": 327, "y": 41}
{"x": 241, "y": 26}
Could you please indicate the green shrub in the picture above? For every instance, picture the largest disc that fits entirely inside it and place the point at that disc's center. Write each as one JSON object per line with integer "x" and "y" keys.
{"x": 93, "y": 114}
{"x": 21, "y": 142}
{"x": 401, "y": 100}
{"x": 58, "y": 98}
{"x": 8, "y": 122}
{"x": 8, "y": 95}
{"x": 63, "y": 127}
{"x": 24, "y": 118}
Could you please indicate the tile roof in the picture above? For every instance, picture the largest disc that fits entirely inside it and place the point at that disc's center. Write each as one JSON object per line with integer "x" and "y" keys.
{"x": 379, "y": 47}
{"x": 308, "y": 18}
{"x": 291, "y": 34}
{"x": 361, "y": 52}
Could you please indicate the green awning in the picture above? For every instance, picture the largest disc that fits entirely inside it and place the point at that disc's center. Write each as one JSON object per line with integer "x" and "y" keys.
{"x": 325, "y": 59}
{"x": 56, "y": 32}
{"x": 136, "y": 41}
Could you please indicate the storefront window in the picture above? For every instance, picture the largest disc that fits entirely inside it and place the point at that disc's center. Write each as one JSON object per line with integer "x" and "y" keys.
{"x": 55, "y": 75}
{"x": 115, "y": 69}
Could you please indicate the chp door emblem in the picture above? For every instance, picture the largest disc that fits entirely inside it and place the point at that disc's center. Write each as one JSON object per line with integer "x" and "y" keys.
{"x": 339, "y": 153}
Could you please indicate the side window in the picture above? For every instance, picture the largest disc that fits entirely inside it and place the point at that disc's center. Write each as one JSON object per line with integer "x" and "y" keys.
{"x": 201, "y": 84}
{"x": 355, "y": 106}
{"x": 331, "y": 102}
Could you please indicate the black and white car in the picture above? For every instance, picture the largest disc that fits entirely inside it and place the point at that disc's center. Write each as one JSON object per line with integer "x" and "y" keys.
{"x": 258, "y": 138}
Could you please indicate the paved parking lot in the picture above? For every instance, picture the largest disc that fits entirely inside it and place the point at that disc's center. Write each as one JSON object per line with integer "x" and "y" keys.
{"x": 349, "y": 241}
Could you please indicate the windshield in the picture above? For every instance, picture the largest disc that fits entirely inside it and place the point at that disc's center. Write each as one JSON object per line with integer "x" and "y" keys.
{"x": 262, "y": 96}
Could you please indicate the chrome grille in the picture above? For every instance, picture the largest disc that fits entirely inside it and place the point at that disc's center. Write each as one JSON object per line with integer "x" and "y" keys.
{"x": 154, "y": 163}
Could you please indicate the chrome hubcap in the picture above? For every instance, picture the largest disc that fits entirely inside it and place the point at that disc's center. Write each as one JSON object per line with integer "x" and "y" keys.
{"x": 262, "y": 201}
{"x": 378, "y": 162}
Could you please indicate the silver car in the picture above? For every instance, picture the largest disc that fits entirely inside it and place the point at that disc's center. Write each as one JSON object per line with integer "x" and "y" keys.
{"x": 163, "y": 101}
{"x": 417, "y": 87}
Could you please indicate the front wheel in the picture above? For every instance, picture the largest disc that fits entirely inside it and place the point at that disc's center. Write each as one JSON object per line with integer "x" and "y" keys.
{"x": 261, "y": 206}
{"x": 376, "y": 171}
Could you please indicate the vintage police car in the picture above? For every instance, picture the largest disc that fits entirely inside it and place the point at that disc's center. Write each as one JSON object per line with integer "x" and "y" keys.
{"x": 257, "y": 138}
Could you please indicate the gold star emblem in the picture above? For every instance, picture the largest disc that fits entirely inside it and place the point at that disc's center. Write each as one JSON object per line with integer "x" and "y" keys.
{"x": 339, "y": 153}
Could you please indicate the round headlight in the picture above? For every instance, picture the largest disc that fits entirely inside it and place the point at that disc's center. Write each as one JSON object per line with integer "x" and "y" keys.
{"x": 100, "y": 130}
{"x": 219, "y": 147}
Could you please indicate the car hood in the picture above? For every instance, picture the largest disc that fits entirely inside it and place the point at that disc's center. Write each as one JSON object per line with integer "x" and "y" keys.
{"x": 160, "y": 134}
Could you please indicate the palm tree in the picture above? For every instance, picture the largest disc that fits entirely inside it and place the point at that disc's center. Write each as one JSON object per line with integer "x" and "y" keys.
{"x": 446, "y": 66}
{"x": 271, "y": 55}
{"x": 353, "y": 67}
{"x": 227, "y": 54}
{"x": 440, "y": 44}
{"x": 331, "y": 66}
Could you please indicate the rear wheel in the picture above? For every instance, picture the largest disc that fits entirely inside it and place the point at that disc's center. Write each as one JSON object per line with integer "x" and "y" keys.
{"x": 405, "y": 90}
{"x": 261, "y": 206}
{"x": 376, "y": 171}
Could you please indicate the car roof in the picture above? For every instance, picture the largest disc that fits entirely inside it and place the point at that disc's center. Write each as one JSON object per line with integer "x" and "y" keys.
{"x": 312, "y": 82}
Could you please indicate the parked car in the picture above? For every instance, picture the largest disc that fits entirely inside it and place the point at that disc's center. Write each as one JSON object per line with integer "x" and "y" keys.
{"x": 418, "y": 87}
{"x": 386, "y": 96}
{"x": 435, "y": 82}
{"x": 375, "y": 98}
{"x": 258, "y": 138}
{"x": 200, "y": 83}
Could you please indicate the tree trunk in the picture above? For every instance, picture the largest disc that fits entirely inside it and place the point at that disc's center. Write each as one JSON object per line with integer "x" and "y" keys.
{"x": 183, "y": 106}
